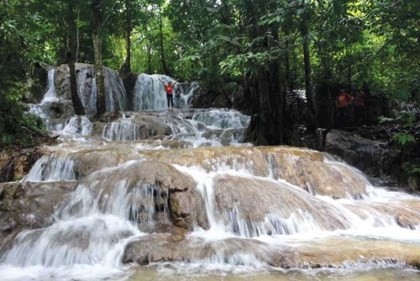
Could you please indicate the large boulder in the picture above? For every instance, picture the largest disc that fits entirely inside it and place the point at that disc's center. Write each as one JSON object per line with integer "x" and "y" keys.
{"x": 311, "y": 170}
{"x": 158, "y": 196}
{"x": 374, "y": 157}
{"x": 280, "y": 208}
{"x": 26, "y": 205}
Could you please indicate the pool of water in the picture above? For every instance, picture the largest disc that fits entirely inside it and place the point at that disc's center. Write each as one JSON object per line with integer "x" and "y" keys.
{"x": 170, "y": 273}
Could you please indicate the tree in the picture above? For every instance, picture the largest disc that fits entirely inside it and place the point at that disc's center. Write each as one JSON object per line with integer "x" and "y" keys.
{"x": 97, "y": 27}
{"x": 304, "y": 9}
{"x": 72, "y": 51}
{"x": 17, "y": 128}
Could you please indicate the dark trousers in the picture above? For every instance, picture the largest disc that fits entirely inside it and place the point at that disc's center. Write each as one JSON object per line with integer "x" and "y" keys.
{"x": 342, "y": 117}
{"x": 170, "y": 99}
{"x": 360, "y": 115}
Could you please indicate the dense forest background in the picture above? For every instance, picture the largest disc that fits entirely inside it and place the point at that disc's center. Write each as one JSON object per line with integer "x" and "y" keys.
{"x": 264, "y": 47}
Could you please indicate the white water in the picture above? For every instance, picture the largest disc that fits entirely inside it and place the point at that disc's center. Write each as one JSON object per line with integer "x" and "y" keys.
{"x": 50, "y": 95}
{"x": 93, "y": 225}
{"x": 149, "y": 93}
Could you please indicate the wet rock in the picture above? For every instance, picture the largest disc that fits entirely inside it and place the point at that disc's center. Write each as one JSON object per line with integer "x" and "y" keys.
{"x": 159, "y": 195}
{"x": 374, "y": 157}
{"x": 15, "y": 164}
{"x": 279, "y": 208}
{"x": 338, "y": 252}
{"x": 308, "y": 169}
{"x": 169, "y": 247}
{"x": 27, "y": 205}
{"x": 328, "y": 253}
{"x": 85, "y": 74}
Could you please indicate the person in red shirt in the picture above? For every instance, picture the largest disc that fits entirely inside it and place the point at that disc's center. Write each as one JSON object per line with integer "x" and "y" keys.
{"x": 342, "y": 104}
{"x": 169, "y": 89}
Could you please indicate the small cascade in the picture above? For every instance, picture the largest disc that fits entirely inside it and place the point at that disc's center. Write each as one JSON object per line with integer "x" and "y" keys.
{"x": 88, "y": 240}
{"x": 52, "y": 168}
{"x": 222, "y": 118}
{"x": 211, "y": 127}
{"x": 121, "y": 192}
{"x": 115, "y": 95}
{"x": 93, "y": 224}
{"x": 149, "y": 93}
{"x": 85, "y": 236}
{"x": 281, "y": 209}
{"x": 184, "y": 93}
{"x": 50, "y": 95}
{"x": 122, "y": 130}
{"x": 78, "y": 125}
{"x": 115, "y": 92}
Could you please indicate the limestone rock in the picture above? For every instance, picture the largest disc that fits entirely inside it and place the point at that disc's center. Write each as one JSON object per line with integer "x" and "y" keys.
{"x": 159, "y": 195}
{"x": 15, "y": 164}
{"x": 26, "y": 205}
{"x": 328, "y": 252}
{"x": 374, "y": 157}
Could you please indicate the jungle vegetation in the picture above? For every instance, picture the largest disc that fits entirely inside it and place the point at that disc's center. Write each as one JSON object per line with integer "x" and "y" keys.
{"x": 267, "y": 47}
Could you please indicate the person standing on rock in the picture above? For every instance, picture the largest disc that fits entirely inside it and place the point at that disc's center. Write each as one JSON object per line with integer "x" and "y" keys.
{"x": 169, "y": 89}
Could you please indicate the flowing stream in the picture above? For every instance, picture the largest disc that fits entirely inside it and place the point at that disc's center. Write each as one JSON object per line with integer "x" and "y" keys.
{"x": 177, "y": 195}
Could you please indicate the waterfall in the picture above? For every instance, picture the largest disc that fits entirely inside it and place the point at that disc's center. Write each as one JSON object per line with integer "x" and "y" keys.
{"x": 179, "y": 189}
{"x": 149, "y": 93}
{"x": 52, "y": 168}
{"x": 51, "y": 94}
{"x": 115, "y": 95}
{"x": 122, "y": 130}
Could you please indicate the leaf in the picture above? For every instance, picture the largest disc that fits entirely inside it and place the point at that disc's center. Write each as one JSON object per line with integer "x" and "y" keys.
{"x": 404, "y": 138}
{"x": 300, "y": 11}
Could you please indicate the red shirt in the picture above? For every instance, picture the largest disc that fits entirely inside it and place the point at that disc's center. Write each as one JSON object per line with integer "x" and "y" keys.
{"x": 343, "y": 100}
{"x": 169, "y": 89}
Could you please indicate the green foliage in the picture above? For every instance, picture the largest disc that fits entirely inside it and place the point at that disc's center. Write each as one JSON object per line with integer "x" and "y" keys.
{"x": 404, "y": 138}
{"x": 412, "y": 169}
{"x": 18, "y": 128}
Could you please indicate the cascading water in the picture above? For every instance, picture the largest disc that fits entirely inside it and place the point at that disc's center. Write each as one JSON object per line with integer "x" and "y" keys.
{"x": 51, "y": 94}
{"x": 149, "y": 93}
{"x": 179, "y": 190}
{"x": 115, "y": 95}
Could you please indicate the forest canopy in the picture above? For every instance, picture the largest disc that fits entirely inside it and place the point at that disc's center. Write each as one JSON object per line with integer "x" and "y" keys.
{"x": 303, "y": 43}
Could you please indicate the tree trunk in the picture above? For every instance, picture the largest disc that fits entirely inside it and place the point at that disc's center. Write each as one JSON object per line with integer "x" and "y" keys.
{"x": 349, "y": 72}
{"x": 162, "y": 49}
{"x": 71, "y": 60}
{"x": 149, "y": 59}
{"x": 128, "y": 30}
{"x": 268, "y": 123}
{"x": 128, "y": 50}
{"x": 266, "y": 127}
{"x": 77, "y": 36}
{"x": 304, "y": 31}
{"x": 97, "y": 48}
